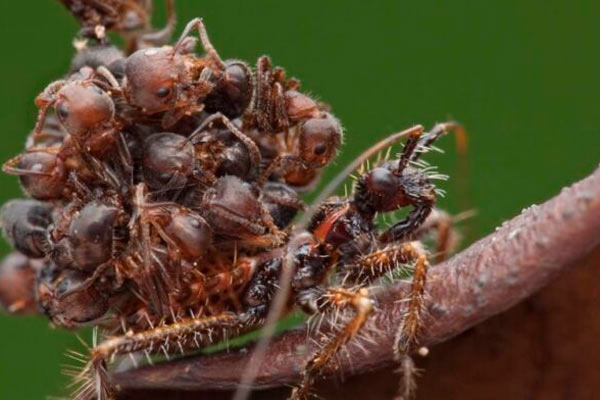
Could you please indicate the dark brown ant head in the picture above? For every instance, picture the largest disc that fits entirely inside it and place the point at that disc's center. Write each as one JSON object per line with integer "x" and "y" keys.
{"x": 152, "y": 76}
{"x": 233, "y": 92}
{"x": 68, "y": 298}
{"x": 190, "y": 232}
{"x": 233, "y": 208}
{"x": 387, "y": 188}
{"x": 17, "y": 282}
{"x": 81, "y": 107}
{"x": 25, "y": 224}
{"x": 41, "y": 173}
{"x": 319, "y": 140}
{"x": 167, "y": 160}
{"x": 282, "y": 202}
{"x": 90, "y": 236}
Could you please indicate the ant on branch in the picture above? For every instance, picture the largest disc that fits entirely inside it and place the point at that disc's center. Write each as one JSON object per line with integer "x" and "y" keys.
{"x": 165, "y": 185}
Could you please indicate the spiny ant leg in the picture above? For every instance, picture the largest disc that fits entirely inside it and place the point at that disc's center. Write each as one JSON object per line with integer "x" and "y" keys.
{"x": 410, "y": 150}
{"x": 372, "y": 266}
{"x": 379, "y": 262}
{"x": 186, "y": 333}
{"x": 436, "y": 132}
{"x": 334, "y": 299}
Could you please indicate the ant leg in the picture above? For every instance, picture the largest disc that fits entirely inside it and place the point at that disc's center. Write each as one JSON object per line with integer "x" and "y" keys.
{"x": 374, "y": 265}
{"x": 208, "y": 47}
{"x": 436, "y": 132}
{"x": 160, "y": 37}
{"x": 9, "y": 168}
{"x": 335, "y": 299}
{"x": 253, "y": 150}
{"x": 402, "y": 230}
{"x": 262, "y": 105}
{"x": 282, "y": 161}
{"x": 185, "y": 333}
{"x": 44, "y": 101}
{"x": 439, "y": 222}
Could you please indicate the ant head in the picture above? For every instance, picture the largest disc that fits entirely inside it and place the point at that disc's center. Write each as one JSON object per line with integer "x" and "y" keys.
{"x": 17, "y": 283}
{"x": 66, "y": 299}
{"x": 83, "y": 107}
{"x": 25, "y": 224}
{"x": 42, "y": 174}
{"x": 190, "y": 232}
{"x": 234, "y": 90}
{"x": 151, "y": 78}
{"x": 389, "y": 187}
{"x": 90, "y": 236}
{"x": 168, "y": 158}
{"x": 319, "y": 140}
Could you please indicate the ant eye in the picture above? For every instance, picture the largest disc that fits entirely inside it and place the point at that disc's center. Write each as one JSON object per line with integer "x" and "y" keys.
{"x": 163, "y": 92}
{"x": 63, "y": 286}
{"x": 97, "y": 90}
{"x": 320, "y": 149}
{"x": 62, "y": 110}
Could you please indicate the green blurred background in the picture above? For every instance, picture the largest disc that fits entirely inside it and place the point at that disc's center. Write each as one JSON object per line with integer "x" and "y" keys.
{"x": 522, "y": 76}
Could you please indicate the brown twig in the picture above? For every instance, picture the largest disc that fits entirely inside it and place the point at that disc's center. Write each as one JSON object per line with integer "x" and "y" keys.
{"x": 498, "y": 271}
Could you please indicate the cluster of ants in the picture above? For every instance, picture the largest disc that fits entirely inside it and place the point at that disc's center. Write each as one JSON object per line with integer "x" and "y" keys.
{"x": 163, "y": 184}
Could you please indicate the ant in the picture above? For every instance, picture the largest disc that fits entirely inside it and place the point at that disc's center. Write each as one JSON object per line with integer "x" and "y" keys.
{"x": 86, "y": 112}
{"x": 342, "y": 241}
{"x": 130, "y": 18}
{"x": 299, "y": 133}
{"x": 177, "y": 83}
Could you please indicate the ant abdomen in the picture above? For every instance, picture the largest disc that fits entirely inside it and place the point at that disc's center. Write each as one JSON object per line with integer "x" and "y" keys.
{"x": 25, "y": 224}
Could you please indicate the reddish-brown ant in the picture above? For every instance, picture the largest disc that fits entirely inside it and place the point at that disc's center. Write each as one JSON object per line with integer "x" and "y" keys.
{"x": 130, "y": 18}
{"x": 298, "y": 131}
{"x": 173, "y": 81}
{"x": 170, "y": 239}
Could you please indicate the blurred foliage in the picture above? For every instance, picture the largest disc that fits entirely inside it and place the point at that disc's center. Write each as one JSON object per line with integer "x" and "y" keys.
{"x": 521, "y": 76}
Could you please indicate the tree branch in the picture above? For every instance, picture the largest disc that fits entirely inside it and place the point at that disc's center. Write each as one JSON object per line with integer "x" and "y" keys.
{"x": 493, "y": 274}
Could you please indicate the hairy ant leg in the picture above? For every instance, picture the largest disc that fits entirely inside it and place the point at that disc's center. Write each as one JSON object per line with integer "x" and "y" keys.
{"x": 385, "y": 260}
{"x": 333, "y": 299}
{"x": 184, "y": 333}
{"x": 253, "y": 150}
